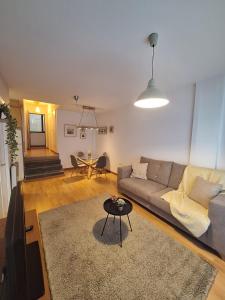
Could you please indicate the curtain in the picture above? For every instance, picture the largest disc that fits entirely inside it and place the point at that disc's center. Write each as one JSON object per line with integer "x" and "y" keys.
{"x": 208, "y": 132}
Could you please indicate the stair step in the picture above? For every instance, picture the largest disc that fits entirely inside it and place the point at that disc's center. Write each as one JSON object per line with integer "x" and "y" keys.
{"x": 40, "y": 158}
{"x": 42, "y": 175}
{"x": 41, "y": 163}
{"x": 34, "y": 166}
{"x": 38, "y": 169}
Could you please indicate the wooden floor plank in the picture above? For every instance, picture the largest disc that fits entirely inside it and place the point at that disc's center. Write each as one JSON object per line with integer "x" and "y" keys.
{"x": 39, "y": 152}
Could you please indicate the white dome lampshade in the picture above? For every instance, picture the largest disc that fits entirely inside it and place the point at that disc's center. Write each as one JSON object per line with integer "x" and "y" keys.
{"x": 152, "y": 97}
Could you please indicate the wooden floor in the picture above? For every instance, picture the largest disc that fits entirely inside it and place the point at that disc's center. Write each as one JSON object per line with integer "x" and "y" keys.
{"x": 39, "y": 152}
{"x": 45, "y": 194}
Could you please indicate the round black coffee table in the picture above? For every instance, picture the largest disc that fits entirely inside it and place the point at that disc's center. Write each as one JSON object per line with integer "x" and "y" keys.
{"x": 113, "y": 209}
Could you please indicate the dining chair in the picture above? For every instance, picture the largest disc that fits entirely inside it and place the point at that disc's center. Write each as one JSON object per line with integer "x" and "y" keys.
{"x": 76, "y": 167}
{"x": 100, "y": 165}
{"x": 80, "y": 154}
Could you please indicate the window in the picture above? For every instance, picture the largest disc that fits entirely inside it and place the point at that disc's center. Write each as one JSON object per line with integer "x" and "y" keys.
{"x": 37, "y": 123}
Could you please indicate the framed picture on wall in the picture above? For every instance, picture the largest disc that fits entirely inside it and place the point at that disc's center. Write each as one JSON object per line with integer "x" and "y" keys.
{"x": 102, "y": 130}
{"x": 83, "y": 134}
{"x": 70, "y": 130}
{"x": 111, "y": 129}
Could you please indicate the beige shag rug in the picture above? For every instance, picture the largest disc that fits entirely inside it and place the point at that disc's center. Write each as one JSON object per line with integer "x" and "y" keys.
{"x": 83, "y": 265}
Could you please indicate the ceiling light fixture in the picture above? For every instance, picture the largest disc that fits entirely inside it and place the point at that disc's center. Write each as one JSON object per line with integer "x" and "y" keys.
{"x": 152, "y": 97}
{"x": 1, "y": 100}
{"x": 37, "y": 109}
{"x": 87, "y": 111}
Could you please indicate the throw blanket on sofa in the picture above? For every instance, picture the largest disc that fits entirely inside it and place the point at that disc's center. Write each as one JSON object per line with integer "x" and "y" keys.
{"x": 188, "y": 212}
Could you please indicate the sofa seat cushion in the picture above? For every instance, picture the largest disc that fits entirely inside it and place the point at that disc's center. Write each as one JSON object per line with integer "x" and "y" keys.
{"x": 140, "y": 187}
{"x": 158, "y": 170}
{"x": 156, "y": 200}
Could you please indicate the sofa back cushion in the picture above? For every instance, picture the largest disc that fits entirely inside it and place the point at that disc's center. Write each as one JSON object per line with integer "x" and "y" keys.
{"x": 158, "y": 170}
{"x": 203, "y": 191}
{"x": 191, "y": 172}
{"x": 176, "y": 175}
{"x": 146, "y": 160}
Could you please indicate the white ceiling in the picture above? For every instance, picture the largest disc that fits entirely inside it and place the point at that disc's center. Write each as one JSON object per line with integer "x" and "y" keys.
{"x": 51, "y": 50}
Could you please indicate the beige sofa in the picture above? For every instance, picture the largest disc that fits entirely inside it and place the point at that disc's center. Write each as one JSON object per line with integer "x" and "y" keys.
{"x": 165, "y": 176}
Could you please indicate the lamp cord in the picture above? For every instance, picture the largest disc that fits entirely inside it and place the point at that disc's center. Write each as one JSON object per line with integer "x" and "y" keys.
{"x": 153, "y": 54}
{"x": 95, "y": 119}
{"x": 81, "y": 117}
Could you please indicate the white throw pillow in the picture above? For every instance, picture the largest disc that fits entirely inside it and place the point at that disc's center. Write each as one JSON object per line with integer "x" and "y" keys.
{"x": 139, "y": 170}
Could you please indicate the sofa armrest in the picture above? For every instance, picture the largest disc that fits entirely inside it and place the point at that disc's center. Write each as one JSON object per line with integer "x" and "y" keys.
{"x": 217, "y": 217}
{"x": 124, "y": 172}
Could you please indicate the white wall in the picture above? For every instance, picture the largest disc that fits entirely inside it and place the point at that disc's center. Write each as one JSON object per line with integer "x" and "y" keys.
{"x": 162, "y": 133}
{"x": 4, "y": 90}
{"x": 51, "y": 128}
{"x": 37, "y": 139}
{"x": 208, "y": 137}
{"x": 71, "y": 145}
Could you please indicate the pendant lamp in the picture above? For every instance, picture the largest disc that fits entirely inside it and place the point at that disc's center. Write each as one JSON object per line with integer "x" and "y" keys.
{"x": 152, "y": 97}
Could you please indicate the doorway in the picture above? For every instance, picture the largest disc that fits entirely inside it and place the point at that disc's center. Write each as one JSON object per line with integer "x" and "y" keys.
{"x": 37, "y": 134}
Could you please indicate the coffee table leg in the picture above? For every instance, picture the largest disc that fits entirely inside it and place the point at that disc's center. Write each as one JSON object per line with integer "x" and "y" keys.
{"x": 104, "y": 224}
{"x": 120, "y": 233}
{"x": 129, "y": 222}
{"x": 114, "y": 219}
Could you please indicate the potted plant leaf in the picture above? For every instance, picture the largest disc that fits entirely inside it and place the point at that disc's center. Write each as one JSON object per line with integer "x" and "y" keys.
{"x": 120, "y": 203}
{"x": 11, "y": 125}
{"x": 2, "y": 110}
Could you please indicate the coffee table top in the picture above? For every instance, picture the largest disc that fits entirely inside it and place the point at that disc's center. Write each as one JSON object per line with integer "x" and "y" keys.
{"x": 111, "y": 208}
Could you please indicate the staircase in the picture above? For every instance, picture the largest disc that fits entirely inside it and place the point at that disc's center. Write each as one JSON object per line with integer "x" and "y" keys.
{"x": 38, "y": 167}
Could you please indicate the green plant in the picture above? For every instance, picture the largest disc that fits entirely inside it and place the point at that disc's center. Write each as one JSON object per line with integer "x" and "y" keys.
{"x": 120, "y": 202}
{"x": 11, "y": 126}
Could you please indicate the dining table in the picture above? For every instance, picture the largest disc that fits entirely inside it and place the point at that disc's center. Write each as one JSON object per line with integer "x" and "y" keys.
{"x": 89, "y": 162}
